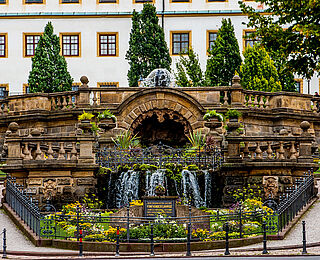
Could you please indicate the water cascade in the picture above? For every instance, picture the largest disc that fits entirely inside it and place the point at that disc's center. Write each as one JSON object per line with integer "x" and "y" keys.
{"x": 153, "y": 180}
{"x": 208, "y": 188}
{"x": 190, "y": 188}
{"x": 127, "y": 187}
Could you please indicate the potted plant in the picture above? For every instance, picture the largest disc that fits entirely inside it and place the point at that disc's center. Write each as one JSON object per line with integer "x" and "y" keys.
{"x": 106, "y": 114}
{"x": 160, "y": 190}
{"x": 213, "y": 115}
{"x": 233, "y": 115}
{"x": 85, "y": 117}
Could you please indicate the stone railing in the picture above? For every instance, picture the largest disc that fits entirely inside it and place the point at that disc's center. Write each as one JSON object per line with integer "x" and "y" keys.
{"x": 63, "y": 100}
{"x": 270, "y": 148}
{"x": 39, "y": 148}
{"x": 256, "y": 99}
{"x": 4, "y": 107}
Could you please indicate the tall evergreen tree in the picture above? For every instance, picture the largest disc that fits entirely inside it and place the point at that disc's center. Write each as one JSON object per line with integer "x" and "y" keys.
{"x": 148, "y": 49}
{"x": 49, "y": 69}
{"x": 258, "y": 71}
{"x": 224, "y": 56}
{"x": 189, "y": 73}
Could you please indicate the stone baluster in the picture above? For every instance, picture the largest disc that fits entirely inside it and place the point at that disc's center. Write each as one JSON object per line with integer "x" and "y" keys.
{"x": 1, "y": 110}
{"x": 38, "y": 151}
{"x": 95, "y": 98}
{"x": 269, "y": 151}
{"x": 73, "y": 151}
{"x": 70, "y": 103}
{"x": 64, "y": 102}
{"x": 225, "y": 98}
{"x": 281, "y": 151}
{"x": 250, "y": 101}
{"x": 252, "y": 154}
{"x": 22, "y": 155}
{"x": 255, "y": 102}
{"x": 68, "y": 156}
{"x": 315, "y": 106}
{"x": 27, "y": 152}
{"x": 50, "y": 151}
{"x": 258, "y": 151}
{"x": 293, "y": 151}
{"x": 261, "y": 103}
{"x": 267, "y": 104}
{"x": 53, "y": 103}
{"x": 246, "y": 151}
{"x": 5, "y": 108}
{"x": 62, "y": 152}
{"x": 58, "y": 102}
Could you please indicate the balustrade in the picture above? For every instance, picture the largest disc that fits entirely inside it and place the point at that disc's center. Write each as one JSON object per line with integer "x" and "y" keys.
{"x": 49, "y": 148}
{"x": 64, "y": 100}
{"x": 256, "y": 100}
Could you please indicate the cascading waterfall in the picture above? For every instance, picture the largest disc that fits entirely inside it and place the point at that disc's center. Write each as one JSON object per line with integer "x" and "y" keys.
{"x": 208, "y": 188}
{"x": 127, "y": 188}
{"x": 153, "y": 180}
{"x": 190, "y": 187}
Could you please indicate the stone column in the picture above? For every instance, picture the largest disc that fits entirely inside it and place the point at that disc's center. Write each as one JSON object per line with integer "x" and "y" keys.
{"x": 233, "y": 145}
{"x": 84, "y": 93}
{"x": 237, "y": 98}
{"x": 305, "y": 153}
{"x": 14, "y": 145}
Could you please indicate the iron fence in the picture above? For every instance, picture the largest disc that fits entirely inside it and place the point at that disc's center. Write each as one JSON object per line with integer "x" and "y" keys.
{"x": 160, "y": 155}
{"x": 295, "y": 198}
{"x": 21, "y": 202}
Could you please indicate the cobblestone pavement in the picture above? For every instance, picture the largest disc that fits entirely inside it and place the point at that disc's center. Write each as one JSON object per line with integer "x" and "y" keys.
{"x": 16, "y": 241}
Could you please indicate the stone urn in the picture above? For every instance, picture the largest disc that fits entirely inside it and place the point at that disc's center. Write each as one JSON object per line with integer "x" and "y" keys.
{"x": 107, "y": 124}
{"x": 213, "y": 123}
{"x": 85, "y": 125}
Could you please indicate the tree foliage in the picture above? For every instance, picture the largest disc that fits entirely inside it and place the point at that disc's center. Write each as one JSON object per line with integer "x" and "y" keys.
{"x": 224, "y": 56}
{"x": 189, "y": 73}
{"x": 148, "y": 49}
{"x": 292, "y": 29}
{"x": 258, "y": 71}
{"x": 49, "y": 69}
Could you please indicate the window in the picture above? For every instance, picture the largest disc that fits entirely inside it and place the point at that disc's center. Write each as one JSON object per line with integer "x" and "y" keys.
{"x": 70, "y": 1}
{"x": 143, "y": 1}
{"x": 34, "y": 1}
{"x": 248, "y": 40}
{"x": 70, "y": 44}
{"x": 3, "y": 46}
{"x": 180, "y": 42}
{"x": 3, "y": 2}
{"x": 4, "y": 90}
{"x": 26, "y": 89}
{"x": 106, "y": 1}
{"x": 299, "y": 85}
{"x": 211, "y": 36}
{"x": 30, "y": 42}
{"x": 108, "y": 84}
{"x": 218, "y": 0}
{"x": 107, "y": 44}
{"x": 180, "y": 1}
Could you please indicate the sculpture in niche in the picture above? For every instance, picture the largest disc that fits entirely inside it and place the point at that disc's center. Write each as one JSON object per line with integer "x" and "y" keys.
{"x": 49, "y": 189}
{"x": 270, "y": 186}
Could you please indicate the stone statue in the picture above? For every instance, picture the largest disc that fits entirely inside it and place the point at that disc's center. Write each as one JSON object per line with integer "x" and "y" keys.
{"x": 49, "y": 189}
{"x": 270, "y": 186}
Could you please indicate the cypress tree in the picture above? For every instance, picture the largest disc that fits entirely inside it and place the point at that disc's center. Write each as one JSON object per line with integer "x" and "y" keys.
{"x": 258, "y": 71}
{"x": 224, "y": 56}
{"x": 189, "y": 73}
{"x": 49, "y": 69}
{"x": 148, "y": 49}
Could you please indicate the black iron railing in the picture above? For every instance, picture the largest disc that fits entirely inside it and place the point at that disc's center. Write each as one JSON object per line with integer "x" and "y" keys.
{"x": 22, "y": 204}
{"x": 295, "y": 198}
{"x": 160, "y": 155}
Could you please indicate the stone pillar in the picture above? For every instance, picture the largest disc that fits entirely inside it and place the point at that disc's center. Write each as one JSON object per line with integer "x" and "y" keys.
{"x": 14, "y": 145}
{"x": 233, "y": 144}
{"x": 237, "y": 98}
{"x": 86, "y": 155}
{"x": 305, "y": 153}
{"x": 105, "y": 139}
{"x": 84, "y": 93}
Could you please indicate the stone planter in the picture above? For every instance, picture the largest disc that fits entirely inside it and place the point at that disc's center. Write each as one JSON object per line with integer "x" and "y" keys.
{"x": 85, "y": 126}
{"x": 107, "y": 124}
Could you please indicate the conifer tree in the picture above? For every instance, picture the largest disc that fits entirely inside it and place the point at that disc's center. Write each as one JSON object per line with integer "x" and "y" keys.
{"x": 224, "y": 56}
{"x": 148, "y": 49}
{"x": 258, "y": 71}
{"x": 49, "y": 69}
{"x": 189, "y": 73}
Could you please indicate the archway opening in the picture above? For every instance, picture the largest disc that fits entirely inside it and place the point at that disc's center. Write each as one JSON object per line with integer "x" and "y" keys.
{"x": 165, "y": 126}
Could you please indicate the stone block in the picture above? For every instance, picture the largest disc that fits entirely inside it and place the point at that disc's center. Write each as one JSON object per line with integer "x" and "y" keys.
{"x": 64, "y": 181}
{"x": 35, "y": 181}
{"x": 67, "y": 189}
{"x": 85, "y": 181}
